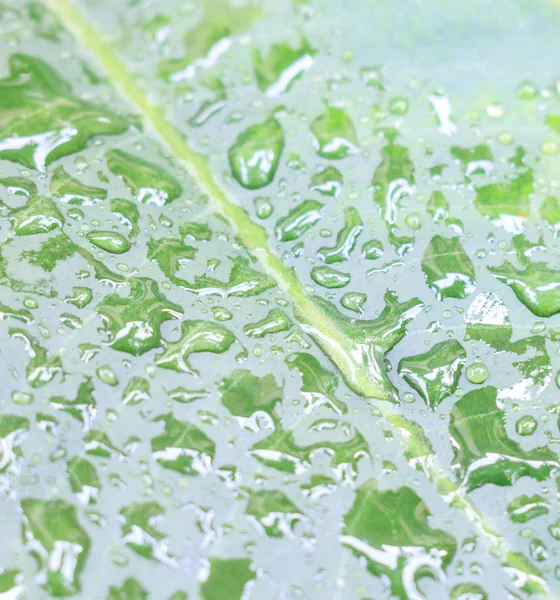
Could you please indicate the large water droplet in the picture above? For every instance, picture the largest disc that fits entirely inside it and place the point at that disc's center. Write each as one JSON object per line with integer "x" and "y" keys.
{"x": 255, "y": 155}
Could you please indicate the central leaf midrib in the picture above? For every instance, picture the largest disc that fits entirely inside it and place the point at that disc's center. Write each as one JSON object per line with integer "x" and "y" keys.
{"x": 253, "y": 236}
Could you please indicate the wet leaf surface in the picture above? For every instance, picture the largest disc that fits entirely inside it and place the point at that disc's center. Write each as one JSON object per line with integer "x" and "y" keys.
{"x": 279, "y": 300}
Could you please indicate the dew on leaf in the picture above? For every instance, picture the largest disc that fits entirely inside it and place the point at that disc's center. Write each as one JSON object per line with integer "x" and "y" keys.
{"x": 71, "y": 191}
{"x": 477, "y": 373}
{"x": 381, "y": 520}
{"x": 61, "y": 544}
{"x": 345, "y": 240}
{"x": 84, "y": 480}
{"x": 263, "y": 207}
{"x": 527, "y": 91}
{"x": 273, "y": 513}
{"x": 372, "y": 77}
{"x": 538, "y": 550}
{"x": 524, "y": 508}
{"x": 256, "y": 153}
{"x": 334, "y": 136}
{"x": 227, "y": 579}
{"x": 526, "y": 425}
{"x": 221, "y": 314}
{"x": 243, "y": 394}
{"x": 110, "y": 241}
{"x": 80, "y": 298}
{"x": 353, "y": 301}
{"x": 42, "y": 366}
{"x": 398, "y": 106}
{"x": 107, "y": 375}
{"x": 448, "y": 269}
{"x": 141, "y": 275}
{"x": 330, "y": 278}
{"x": 282, "y": 66}
{"x": 362, "y": 344}
{"x": 140, "y": 534}
{"x": 275, "y": 322}
{"x": 149, "y": 183}
{"x": 131, "y": 589}
{"x": 438, "y": 206}
{"x": 318, "y": 383}
{"x": 128, "y": 214}
{"x": 42, "y": 121}
{"x": 393, "y": 181}
{"x": 435, "y": 374}
{"x": 196, "y": 336}
{"x": 38, "y": 215}
{"x": 468, "y": 591}
{"x": 506, "y": 204}
{"x": 327, "y": 181}
{"x": 299, "y": 220}
{"x": 182, "y": 447}
{"x": 211, "y": 37}
{"x": 477, "y": 428}
{"x": 372, "y": 250}
{"x": 134, "y": 323}
{"x": 474, "y": 161}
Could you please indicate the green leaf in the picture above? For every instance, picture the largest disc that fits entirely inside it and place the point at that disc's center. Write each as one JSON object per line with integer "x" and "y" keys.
{"x": 131, "y": 589}
{"x": 243, "y": 394}
{"x": 449, "y": 271}
{"x": 43, "y": 118}
{"x": 273, "y": 513}
{"x": 58, "y": 542}
{"x": 484, "y": 452}
{"x": 279, "y": 299}
{"x": 227, "y": 579}
{"x": 334, "y": 134}
{"x": 390, "y": 530}
{"x": 182, "y": 447}
{"x": 148, "y": 182}
{"x": 435, "y": 374}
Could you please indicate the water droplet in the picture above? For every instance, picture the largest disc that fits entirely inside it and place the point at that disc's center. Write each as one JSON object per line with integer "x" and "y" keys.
{"x": 353, "y": 301}
{"x": 329, "y": 278}
{"x": 256, "y": 153}
{"x": 398, "y": 106}
{"x": 372, "y": 250}
{"x": 495, "y": 111}
{"x": 526, "y": 425}
{"x": 106, "y": 374}
{"x": 29, "y": 302}
{"x": 477, "y": 373}
{"x": 413, "y": 221}
{"x": 334, "y": 134}
{"x": 505, "y": 138}
{"x": 221, "y": 314}
{"x": 549, "y": 148}
{"x": 109, "y": 241}
{"x": 527, "y": 91}
{"x": 22, "y": 397}
{"x": 263, "y": 207}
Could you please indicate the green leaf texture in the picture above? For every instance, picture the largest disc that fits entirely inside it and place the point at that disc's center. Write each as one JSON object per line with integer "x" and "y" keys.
{"x": 279, "y": 299}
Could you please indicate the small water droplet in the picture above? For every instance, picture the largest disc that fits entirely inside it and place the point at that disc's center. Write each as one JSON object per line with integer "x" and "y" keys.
{"x": 398, "y": 106}
{"x": 549, "y": 148}
{"x": 527, "y": 91}
{"x": 477, "y": 373}
{"x": 526, "y": 425}
{"x": 263, "y": 207}
{"x": 495, "y": 111}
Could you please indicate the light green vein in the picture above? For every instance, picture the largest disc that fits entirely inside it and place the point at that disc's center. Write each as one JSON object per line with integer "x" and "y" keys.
{"x": 333, "y": 337}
